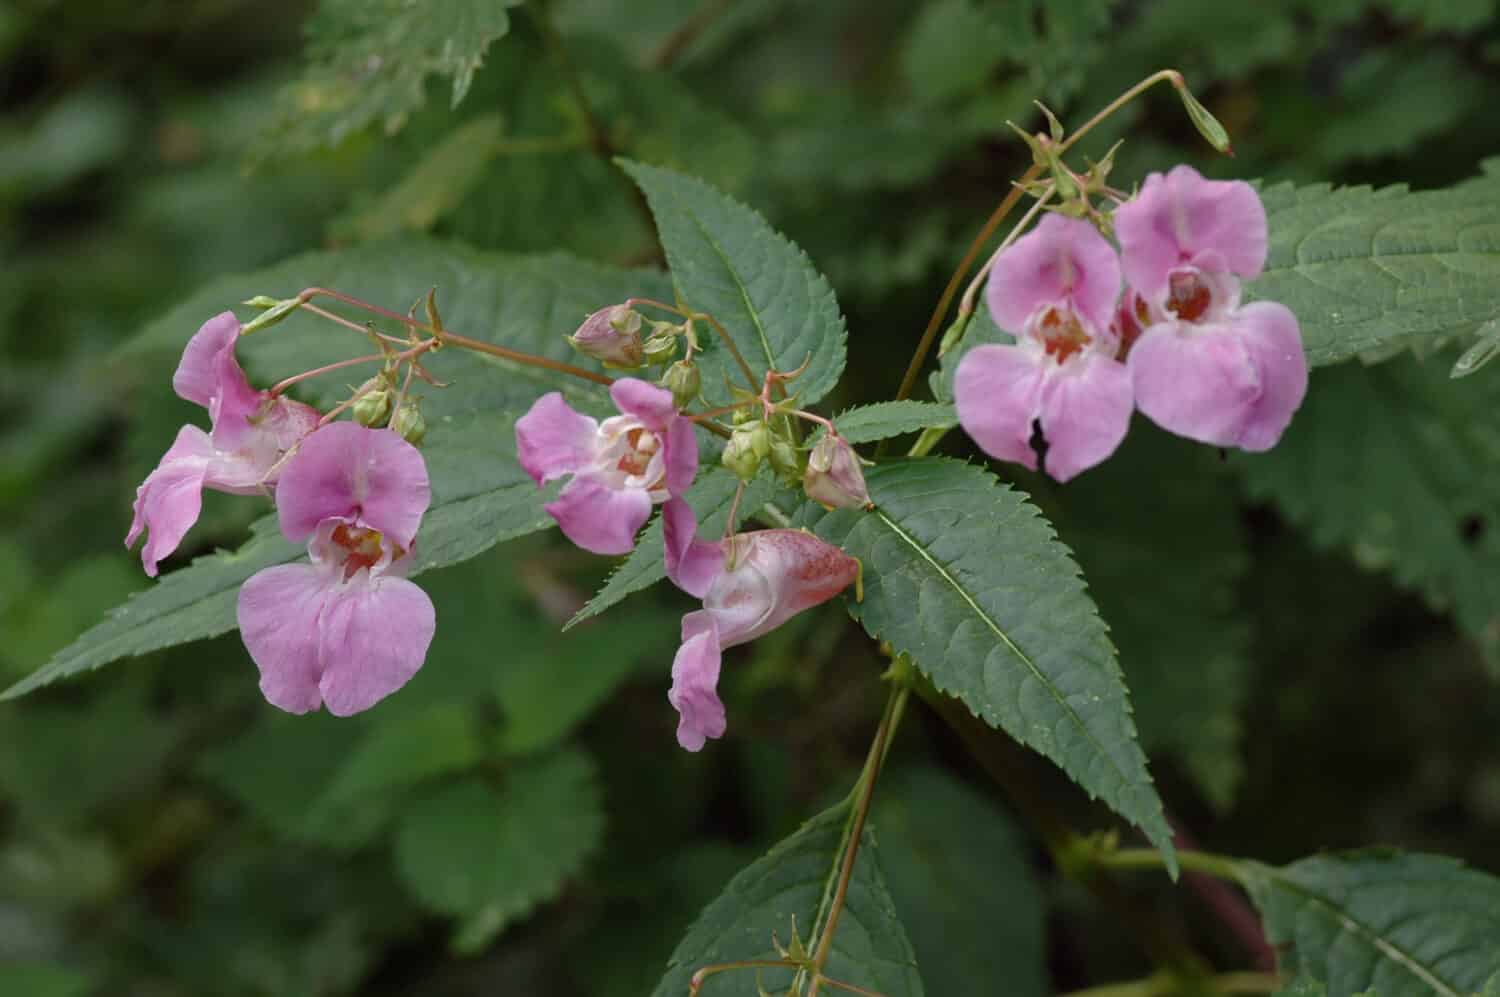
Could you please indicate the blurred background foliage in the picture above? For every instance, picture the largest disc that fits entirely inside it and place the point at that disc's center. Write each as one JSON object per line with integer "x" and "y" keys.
{"x": 1304, "y": 634}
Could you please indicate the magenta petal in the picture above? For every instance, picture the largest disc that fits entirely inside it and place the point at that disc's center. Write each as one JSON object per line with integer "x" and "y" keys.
{"x": 552, "y": 439}
{"x": 692, "y": 564}
{"x": 1062, "y": 259}
{"x": 598, "y": 518}
{"x": 373, "y": 637}
{"x": 695, "y": 679}
{"x": 1198, "y": 381}
{"x": 1180, "y": 218}
{"x": 371, "y": 477}
{"x": 1086, "y": 409}
{"x": 278, "y": 611}
{"x": 168, "y": 502}
{"x": 777, "y": 574}
{"x": 681, "y": 455}
{"x": 197, "y": 378}
{"x": 647, "y": 402}
{"x": 1274, "y": 342}
{"x": 998, "y": 392}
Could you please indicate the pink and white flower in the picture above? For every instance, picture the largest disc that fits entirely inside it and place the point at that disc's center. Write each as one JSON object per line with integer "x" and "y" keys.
{"x": 620, "y": 467}
{"x": 1055, "y": 291}
{"x": 1205, "y": 366}
{"x": 750, "y": 584}
{"x": 345, "y": 630}
{"x": 251, "y": 431}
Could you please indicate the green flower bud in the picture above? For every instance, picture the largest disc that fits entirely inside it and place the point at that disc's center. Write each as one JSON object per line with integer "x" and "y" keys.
{"x": 739, "y": 453}
{"x": 786, "y": 462}
{"x": 661, "y": 345}
{"x": 374, "y": 406}
{"x": 407, "y": 421}
{"x": 273, "y": 311}
{"x": 684, "y": 381}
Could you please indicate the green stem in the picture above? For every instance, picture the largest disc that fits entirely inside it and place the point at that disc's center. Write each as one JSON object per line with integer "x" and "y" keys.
{"x": 1167, "y": 984}
{"x": 1219, "y": 866}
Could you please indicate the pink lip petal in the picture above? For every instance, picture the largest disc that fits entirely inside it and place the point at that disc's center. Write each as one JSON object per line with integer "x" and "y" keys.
{"x": 998, "y": 392}
{"x": 1085, "y": 414}
{"x": 598, "y": 518}
{"x": 279, "y": 610}
{"x": 372, "y": 638}
{"x": 553, "y": 440}
{"x": 695, "y": 679}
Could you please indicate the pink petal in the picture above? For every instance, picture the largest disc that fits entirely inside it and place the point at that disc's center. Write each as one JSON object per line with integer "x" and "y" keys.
{"x": 279, "y": 610}
{"x": 370, "y": 477}
{"x": 167, "y": 503}
{"x": 692, "y": 564}
{"x": 373, "y": 637}
{"x": 1274, "y": 342}
{"x": 552, "y": 439}
{"x": 681, "y": 455}
{"x": 598, "y": 518}
{"x": 1086, "y": 409}
{"x": 777, "y": 574}
{"x": 998, "y": 391}
{"x": 695, "y": 679}
{"x": 1182, "y": 218}
{"x": 285, "y": 422}
{"x": 198, "y": 373}
{"x": 1198, "y": 381}
{"x": 1062, "y": 259}
{"x": 647, "y": 402}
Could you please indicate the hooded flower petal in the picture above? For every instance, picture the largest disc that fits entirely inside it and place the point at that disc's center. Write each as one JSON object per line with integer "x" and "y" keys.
{"x": 692, "y": 564}
{"x": 367, "y": 477}
{"x": 775, "y": 575}
{"x": 279, "y": 611}
{"x": 552, "y": 439}
{"x": 1274, "y": 343}
{"x": 600, "y": 519}
{"x": 681, "y": 455}
{"x": 652, "y": 405}
{"x": 167, "y": 503}
{"x": 1085, "y": 413}
{"x": 372, "y": 638}
{"x": 1182, "y": 218}
{"x": 210, "y": 375}
{"x": 1062, "y": 259}
{"x": 695, "y": 679}
{"x": 998, "y": 392}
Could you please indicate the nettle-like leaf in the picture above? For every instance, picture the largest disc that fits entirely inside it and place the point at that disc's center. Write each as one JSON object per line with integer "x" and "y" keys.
{"x": 727, "y": 261}
{"x": 1393, "y": 924}
{"x": 884, "y": 420}
{"x": 1378, "y": 270}
{"x": 779, "y": 895}
{"x": 964, "y": 575}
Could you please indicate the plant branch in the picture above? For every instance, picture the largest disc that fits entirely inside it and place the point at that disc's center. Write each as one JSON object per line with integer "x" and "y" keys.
{"x": 687, "y": 32}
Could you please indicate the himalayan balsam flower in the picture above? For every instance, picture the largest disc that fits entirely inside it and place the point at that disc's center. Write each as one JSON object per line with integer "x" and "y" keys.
{"x": 251, "y": 431}
{"x": 345, "y": 630}
{"x": 1055, "y": 291}
{"x": 612, "y": 335}
{"x": 834, "y": 478}
{"x": 620, "y": 467}
{"x": 750, "y": 584}
{"x": 1206, "y": 367}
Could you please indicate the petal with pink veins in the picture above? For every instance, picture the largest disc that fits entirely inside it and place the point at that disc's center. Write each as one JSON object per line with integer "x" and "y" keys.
{"x": 373, "y": 637}
{"x": 1085, "y": 413}
{"x": 1062, "y": 259}
{"x": 998, "y": 392}
{"x": 279, "y": 611}
{"x": 1180, "y": 218}
{"x": 695, "y": 679}
{"x": 598, "y": 518}
{"x": 552, "y": 439}
{"x": 369, "y": 477}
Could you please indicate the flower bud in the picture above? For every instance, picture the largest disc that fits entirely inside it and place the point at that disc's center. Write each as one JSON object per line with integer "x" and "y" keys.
{"x": 612, "y": 335}
{"x": 683, "y": 380}
{"x": 408, "y": 423}
{"x": 786, "y": 462}
{"x": 740, "y": 454}
{"x": 833, "y": 477}
{"x": 661, "y": 345}
{"x": 272, "y": 311}
{"x": 372, "y": 407}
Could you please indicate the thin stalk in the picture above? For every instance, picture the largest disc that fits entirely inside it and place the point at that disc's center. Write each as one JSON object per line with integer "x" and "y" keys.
{"x": 734, "y": 350}
{"x": 841, "y": 985}
{"x": 529, "y": 359}
{"x": 966, "y": 303}
{"x": 1162, "y": 74}
{"x": 687, "y": 32}
{"x": 363, "y": 330}
{"x": 734, "y": 510}
{"x": 695, "y": 984}
{"x": 282, "y": 385}
{"x": 1218, "y": 866}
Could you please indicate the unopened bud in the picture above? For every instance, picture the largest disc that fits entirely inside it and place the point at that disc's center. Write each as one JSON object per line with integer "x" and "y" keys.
{"x": 661, "y": 344}
{"x": 834, "y": 478}
{"x": 683, "y": 380}
{"x": 408, "y": 423}
{"x": 373, "y": 406}
{"x": 272, "y": 311}
{"x": 740, "y": 452}
{"x": 612, "y": 335}
{"x": 1208, "y": 126}
{"x": 786, "y": 462}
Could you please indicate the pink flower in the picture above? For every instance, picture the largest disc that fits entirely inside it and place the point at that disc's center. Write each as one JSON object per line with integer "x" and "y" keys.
{"x": 251, "y": 431}
{"x": 1055, "y": 291}
{"x": 750, "y": 584}
{"x": 620, "y": 467}
{"x": 1205, "y": 367}
{"x": 345, "y": 630}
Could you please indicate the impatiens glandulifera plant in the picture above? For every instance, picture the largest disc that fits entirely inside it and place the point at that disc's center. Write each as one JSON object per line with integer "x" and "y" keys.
{"x": 1101, "y": 301}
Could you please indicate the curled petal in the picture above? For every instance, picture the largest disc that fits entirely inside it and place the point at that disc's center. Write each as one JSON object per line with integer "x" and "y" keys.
{"x": 168, "y": 502}
{"x": 1274, "y": 344}
{"x": 284, "y": 422}
{"x": 776, "y": 575}
{"x": 681, "y": 455}
{"x": 373, "y": 637}
{"x": 1062, "y": 259}
{"x": 695, "y": 679}
{"x": 368, "y": 477}
{"x": 552, "y": 439}
{"x": 998, "y": 392}
{"x": 1182, "y": 218}
{"x": 1085, "y": 413}
{"x": 1198, "y": 381}
{"x": 279, "y": 609}
{"x": 647, "y": 402}
{"x": 692, "y": 564}
{"x": 199, "y": 375}
{"x": 598, "y": 518}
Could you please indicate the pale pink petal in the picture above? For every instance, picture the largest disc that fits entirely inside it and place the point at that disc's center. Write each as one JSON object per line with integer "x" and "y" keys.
{"x": 777, "y": 574}
{"x": 692, "y": 564}
{"x": 286, "y": 421}
{"x": 681, "y": 456}
{"x": 1086, "y": 408}
{"x": 167, "y": 503}
{"x": 1274, "y": 342}
{"x": 373, "y": 636}
{"x": 552, "y": 439}
{"x": 647, "y": 402}
{"x": 695, "y": 679}
{"x": 1062, "y": 259}
{"x": 279, "y": 610}
{"x": 1182, "y": 218}
{"x": 1198, "y": 381}
{"x": 998, "y": 392}
{"x": 598, "y": 518}
{"x": 370, "y": 477}
{"x": 197, "y": 378}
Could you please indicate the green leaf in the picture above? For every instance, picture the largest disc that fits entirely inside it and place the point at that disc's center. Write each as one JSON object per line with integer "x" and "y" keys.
{"x": 1378, "y": 270}
{"x": 492, "y": 856}
{"x": 369, "y": 62}
{"x": 962, "y": 881}
{"x": 951, "y": 48}
{"x": 404, "y": 750}
{"x": 886, "y": 419}
{"x": 727, "y": 261}
{"x": 1400, "y": 925}
{"x": 38, "y": 979}
{"x": 1397, "y": 464}
{"x": 964, "y": 575}
{"x": 778, "y": 896}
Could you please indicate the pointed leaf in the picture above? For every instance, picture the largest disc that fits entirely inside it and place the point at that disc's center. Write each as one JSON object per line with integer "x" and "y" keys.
{"x": 883, "y": 420}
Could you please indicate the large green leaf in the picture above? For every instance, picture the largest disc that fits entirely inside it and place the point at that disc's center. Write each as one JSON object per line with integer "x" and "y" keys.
{"x": 780, "y": 893}
{"x": 964, "y": 575}
{"x": 1375, "y": 270}
{"x": 886, "y": 419}
{"x": 1397, "y": 925}
{"x": 727, "y": 261}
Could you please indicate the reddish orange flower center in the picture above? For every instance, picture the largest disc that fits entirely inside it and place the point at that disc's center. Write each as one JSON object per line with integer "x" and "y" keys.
{"x": 361, "y": 547}
{"x": 643, "y": 445}
{"x": 1188, "y": 297}
{"x": 1062, "y": 335}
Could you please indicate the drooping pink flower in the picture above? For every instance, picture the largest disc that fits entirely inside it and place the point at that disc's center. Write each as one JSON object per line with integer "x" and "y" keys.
{"x": 750, "y": 584}
{"x": 621, "y": 467}
{"x": 345, "y": 630}
{"x": 1054, "y": 290}
{"x": 1204, "y": 366}
{"x": 251, "y": 431}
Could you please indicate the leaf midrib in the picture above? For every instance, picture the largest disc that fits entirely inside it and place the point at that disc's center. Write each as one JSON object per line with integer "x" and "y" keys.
{"x": 750, "y": 309}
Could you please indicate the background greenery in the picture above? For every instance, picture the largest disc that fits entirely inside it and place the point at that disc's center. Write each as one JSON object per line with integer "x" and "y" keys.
{"x": 1308, "y": 636}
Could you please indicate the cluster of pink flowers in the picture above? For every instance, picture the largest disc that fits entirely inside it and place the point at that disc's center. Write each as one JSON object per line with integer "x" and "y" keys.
{"x": 1177, "y": 344}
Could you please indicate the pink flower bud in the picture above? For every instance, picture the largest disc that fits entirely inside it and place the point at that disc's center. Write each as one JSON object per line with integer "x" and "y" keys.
{"x": 612, "y": 335}
{"x": 833, "y": 477}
